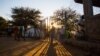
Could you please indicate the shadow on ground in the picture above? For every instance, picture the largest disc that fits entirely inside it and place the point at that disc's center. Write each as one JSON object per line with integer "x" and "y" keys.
{"x": 75, "y": 51}
{"x": 51, "y": 50}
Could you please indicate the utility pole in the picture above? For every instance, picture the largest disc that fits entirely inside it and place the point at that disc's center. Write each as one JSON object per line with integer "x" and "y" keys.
{"x": 88, "y": 12}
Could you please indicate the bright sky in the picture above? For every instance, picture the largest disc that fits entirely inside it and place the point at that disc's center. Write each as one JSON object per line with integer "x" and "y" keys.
{"x": 47, "y": 7}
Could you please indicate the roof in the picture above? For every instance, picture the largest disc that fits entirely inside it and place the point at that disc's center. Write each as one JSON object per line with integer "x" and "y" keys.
{"x": 95, "y": 2}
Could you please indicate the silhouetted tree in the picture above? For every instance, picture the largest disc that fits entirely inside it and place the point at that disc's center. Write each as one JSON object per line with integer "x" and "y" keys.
{"x": 3, "y": 23}
{"x": 67, "y": 17}
{"x": 25, "y": 16}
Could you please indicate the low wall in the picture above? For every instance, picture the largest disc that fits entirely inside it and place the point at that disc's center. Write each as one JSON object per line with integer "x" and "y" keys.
{"x": 92, "y": 48}
{"x": 93, "y": 28}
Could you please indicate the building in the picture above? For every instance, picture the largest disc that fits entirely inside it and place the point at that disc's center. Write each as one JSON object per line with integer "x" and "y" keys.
{"x": 92, "y": 25}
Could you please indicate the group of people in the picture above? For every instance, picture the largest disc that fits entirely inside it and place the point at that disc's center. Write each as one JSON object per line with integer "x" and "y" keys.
{"x": 35, "y": 33}
{"x": 55, "y": 34}
{"x": 19, "y": 32}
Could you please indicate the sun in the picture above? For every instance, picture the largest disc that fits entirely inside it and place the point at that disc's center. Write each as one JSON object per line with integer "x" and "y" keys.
{"x": 50, "y": 23}
{"x": 56, "y": 25}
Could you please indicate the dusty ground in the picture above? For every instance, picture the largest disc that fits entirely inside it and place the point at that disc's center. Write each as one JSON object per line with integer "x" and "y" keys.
{"x": 10, "y": 47}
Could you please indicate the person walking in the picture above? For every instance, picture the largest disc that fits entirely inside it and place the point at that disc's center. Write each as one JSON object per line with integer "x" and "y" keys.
{"x": 52, "y": 34}
{"x": 15, "y": 33}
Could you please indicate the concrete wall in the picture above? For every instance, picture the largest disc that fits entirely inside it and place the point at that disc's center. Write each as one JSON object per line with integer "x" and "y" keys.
{"x": 91, "y": 48}
{"x": 93, "y": 27}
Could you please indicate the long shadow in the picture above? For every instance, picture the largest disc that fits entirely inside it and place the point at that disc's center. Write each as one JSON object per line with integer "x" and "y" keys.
{"x": 75, "y": 51}
{"x": 51, "y": 51}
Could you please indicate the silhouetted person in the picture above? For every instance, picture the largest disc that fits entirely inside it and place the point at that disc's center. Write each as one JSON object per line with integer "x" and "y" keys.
{"x": 15, "y": 33}
{"x": 61, "y": 32}
{"x": 9, "y": 31}
{"x": 21, "y": 32}
{"x": 52, "y": 34}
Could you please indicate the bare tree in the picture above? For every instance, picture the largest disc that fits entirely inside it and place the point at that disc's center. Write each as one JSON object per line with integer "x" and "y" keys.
{"x": 67, "y": 17}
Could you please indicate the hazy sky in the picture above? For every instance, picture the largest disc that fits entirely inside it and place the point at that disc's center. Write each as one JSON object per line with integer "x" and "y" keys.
{"x": 47, "y": 7}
